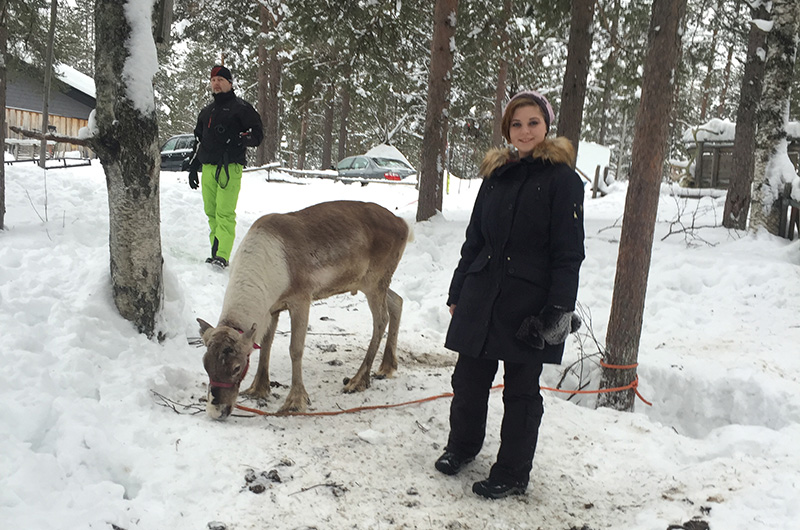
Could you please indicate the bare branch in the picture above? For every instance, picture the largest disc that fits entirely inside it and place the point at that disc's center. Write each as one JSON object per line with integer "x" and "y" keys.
{"x": 54, "y": 137}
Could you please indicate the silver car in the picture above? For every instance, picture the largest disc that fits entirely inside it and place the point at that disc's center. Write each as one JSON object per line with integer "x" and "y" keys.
{"x": 374, "y": 168}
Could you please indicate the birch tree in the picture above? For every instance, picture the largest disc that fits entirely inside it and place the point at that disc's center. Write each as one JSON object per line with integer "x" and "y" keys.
{"x": 126, "y": 142}
{"x": 641, "y": 204}
{"x": 434, "y": 143}
{"x": 772, "y": 165}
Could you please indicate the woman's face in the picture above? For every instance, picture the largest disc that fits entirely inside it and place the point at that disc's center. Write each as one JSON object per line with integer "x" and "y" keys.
{"x": 527, "y": 129}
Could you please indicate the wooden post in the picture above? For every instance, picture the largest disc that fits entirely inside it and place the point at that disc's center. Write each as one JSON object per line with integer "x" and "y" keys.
{"x": 596, "y": 181}
{"x": 715, "y": 167}
{"x": 162, "y": 21}
{"x": 698, "y": 165}
{"x": 48, "y": 69}
{"x": 783, "y": 206}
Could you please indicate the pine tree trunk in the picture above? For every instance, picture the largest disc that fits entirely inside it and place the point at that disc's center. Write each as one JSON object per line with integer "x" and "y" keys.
{"x": 327, "y": 127}
{"x": 434, "y": 141}
{"x": 263, "y": 84}
{"x": 127, "y": 144}
{"x": 48, "y": 70}
{"x": 272, "y": 134}
{"x": 301, "y": 155}
{"x": 573, "y": 93}
{"x": 502, "y": 77}
{"x": 709, "y": 69}
{"x": 608, "y": 76}
{"x": 774, "y": 113}
{"x": 3, "y": 50}
{"x": 345, "y": 113}
{"x": 641, "y": 204}
{"x": 269, "y": 83}
{"x": 499, "y": 99}
{"x": 737, "y": 201}
{"x": 726, "y": 84}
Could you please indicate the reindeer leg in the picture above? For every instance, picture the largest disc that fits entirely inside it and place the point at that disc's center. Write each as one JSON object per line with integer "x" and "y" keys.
{"x": 389, "y": 362}
{"x": 377, "y": 305}
{"x": 260, "y": 388}
{"x": 297, "y": 400}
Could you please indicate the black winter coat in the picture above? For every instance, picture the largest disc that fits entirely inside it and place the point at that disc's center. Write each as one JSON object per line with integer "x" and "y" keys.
{"x": 218, "y": 131}
{"x": 523, "y": 250}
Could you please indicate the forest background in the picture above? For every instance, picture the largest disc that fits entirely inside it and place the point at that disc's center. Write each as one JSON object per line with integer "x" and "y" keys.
{"x": 344, "y": 76}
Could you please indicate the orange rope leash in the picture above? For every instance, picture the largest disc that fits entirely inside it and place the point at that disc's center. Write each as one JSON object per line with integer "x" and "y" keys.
{"x": 349, "y": 411}
{"x": 633, "y": 385}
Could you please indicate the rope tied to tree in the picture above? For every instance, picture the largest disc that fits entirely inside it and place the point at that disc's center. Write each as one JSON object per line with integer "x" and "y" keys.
{"x": 633, "y": 385}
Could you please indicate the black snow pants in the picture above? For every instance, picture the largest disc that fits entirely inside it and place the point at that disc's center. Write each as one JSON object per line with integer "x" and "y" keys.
{"x": 523, "y": 410}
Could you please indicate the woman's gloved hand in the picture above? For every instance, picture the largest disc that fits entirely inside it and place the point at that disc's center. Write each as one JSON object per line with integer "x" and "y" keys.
{"x": 552, "y": 326}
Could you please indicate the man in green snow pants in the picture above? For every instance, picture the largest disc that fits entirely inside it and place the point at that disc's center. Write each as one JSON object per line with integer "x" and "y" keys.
{"x": 225, "y": 128}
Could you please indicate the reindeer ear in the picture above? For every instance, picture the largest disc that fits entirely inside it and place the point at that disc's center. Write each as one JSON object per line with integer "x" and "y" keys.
{"x": 204, "y": 326}
{"x": 248, "y": 336}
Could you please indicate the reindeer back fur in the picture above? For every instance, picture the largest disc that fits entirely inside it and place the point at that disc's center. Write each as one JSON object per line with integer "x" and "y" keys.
{"x": 352, "y": 246}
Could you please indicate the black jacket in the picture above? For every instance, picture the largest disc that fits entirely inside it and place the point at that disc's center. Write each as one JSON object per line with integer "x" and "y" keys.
{"x": 523, "y": 250}
{"x": 218, "y": 129}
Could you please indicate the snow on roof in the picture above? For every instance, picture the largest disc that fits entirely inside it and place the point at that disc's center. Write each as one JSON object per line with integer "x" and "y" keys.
{"x": 72, "y": 77}
{"x": 591, "y": 155}
{"x": 388, "y": 151}
{"x": 718, "y": 130}
{"x": 75, "y": 79}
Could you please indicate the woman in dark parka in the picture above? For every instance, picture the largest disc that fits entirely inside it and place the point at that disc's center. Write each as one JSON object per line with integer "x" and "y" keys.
{"x": 513, "y": 293}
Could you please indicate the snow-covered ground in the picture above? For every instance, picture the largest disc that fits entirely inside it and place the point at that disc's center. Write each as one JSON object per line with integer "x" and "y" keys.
{"x": 87, "y": 441}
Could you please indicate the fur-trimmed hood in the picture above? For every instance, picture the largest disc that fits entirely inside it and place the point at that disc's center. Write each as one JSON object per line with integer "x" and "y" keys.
{"x": 553, "y": 150}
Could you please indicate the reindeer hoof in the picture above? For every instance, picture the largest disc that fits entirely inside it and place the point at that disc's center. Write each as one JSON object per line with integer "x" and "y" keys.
{"x": 385, "y": 372}
{"x": 257, "y": 393}
{"x": 295, "y": 405}
{"x": 354, "y": 385}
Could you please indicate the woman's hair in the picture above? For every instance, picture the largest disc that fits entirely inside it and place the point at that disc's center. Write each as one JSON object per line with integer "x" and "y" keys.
{"x": 522, "y": 99}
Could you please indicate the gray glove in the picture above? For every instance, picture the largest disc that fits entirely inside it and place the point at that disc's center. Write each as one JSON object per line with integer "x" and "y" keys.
{"x": 552, "y": 326}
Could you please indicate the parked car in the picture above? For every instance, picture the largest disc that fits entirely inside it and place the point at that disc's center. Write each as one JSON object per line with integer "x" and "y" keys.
{"x": 374, "y": 167}
{"x": 176, "y": 151}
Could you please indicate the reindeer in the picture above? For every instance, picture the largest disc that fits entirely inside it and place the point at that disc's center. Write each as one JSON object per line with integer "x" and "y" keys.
{"x": 285, "y": 262}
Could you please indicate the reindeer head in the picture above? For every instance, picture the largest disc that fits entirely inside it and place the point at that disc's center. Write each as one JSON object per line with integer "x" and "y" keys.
{"x": 226, "y": 361}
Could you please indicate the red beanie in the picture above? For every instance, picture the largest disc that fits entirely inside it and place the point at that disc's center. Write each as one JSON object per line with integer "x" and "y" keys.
{"x": 221, "y": 71}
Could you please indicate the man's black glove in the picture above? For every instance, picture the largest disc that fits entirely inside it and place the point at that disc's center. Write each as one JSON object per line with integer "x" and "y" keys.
{"x": 194, "y": 181}
{"x": 552, "y": 326}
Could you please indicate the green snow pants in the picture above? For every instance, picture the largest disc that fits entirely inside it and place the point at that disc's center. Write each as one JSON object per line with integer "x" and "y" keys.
{"x": 220, "y": 195}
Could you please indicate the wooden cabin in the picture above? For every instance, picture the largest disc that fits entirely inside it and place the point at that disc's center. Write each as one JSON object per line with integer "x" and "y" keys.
{"x": 72, "y": 99}
{"x": 712, "y": 146}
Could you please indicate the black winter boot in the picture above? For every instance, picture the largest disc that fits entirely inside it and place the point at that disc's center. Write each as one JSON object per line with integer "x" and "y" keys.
{"x": 494, "y": 489}
{"x": 219, "y": 262}
{"x": 451, "y": 463}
